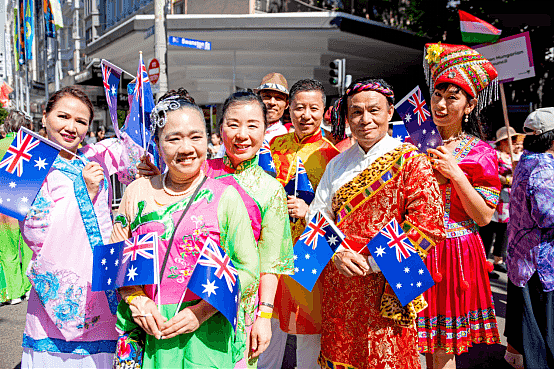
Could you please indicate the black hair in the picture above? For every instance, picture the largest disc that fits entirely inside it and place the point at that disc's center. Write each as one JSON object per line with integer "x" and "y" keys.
{"x": 539, "y": 143}
{"x": 73, "y": 92}
{"x": 473, "y": 125}
{"x": 242, "y": 96}
{"x": 307, "y": 84}
{"x": 338, "y": 117}
{"x": 185, "y": 101}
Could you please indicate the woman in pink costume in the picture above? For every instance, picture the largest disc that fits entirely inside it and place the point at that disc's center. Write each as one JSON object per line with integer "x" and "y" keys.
{"x": 242, "y": 129}
{"x": 67, "y": 325}
{"x": 198, "y": 336}
{"x": 461, "y": 311}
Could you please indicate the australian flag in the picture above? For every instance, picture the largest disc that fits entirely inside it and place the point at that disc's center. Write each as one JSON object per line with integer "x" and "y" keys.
{"x": 265, "y": 160}
{"x": 300, "y": 186}
{"x": 314, "y": 249}
{"x": 23, "y": 169}
{"x": 398, "y": 260}
{"x": 138, "y": 125}
{"x": 399, "y": 131}
{"x": 215, "y": 279}
{"x": 110, "y": 78}
{"x": 418, "y": 121}
{"x": 129, "y": 262}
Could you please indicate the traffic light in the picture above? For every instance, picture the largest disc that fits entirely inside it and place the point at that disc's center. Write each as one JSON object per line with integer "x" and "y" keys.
{"x": 337, "y": 73}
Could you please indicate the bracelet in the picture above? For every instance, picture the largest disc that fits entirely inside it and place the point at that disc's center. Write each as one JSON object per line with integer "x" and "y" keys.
{"x": 130, "y": 297}
{"x": 265, "y": 315}
{"x": 266, "y": 304}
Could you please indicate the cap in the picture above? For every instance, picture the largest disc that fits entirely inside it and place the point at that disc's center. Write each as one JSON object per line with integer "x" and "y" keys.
{"x": 539, "y": 121}
{"x": 274, "y": 81}
{"x": 502, "y": 133}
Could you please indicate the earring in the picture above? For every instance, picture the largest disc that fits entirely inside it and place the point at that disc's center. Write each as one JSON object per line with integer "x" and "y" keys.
{"x": 466, "y": 119}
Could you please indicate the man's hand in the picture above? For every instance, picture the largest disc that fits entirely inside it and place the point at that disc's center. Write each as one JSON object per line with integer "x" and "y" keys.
{"x": 297, "y": 207}
{"x": 351, "y": 264}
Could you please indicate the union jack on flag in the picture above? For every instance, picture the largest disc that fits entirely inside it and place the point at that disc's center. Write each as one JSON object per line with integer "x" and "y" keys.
{"x": 213, "y": 256}
{"x": 111, "y": 76}
{"x": 214, "y": 266}
{"x": 418, "y": 121}
{"x": 398, "y": 240}
{"x": 142, "y": 245}
{"x": 404, "y": 270}
{"x": 314, "y": 229}
{"x": 420, "y": 107}
{"x": 24, "y": 143}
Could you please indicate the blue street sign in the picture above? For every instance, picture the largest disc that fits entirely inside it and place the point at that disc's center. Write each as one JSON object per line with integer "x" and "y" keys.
{"x": 190, "y": 43}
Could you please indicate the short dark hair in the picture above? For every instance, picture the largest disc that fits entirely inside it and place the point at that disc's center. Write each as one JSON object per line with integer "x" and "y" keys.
{"x": 473, "y": 125}
{"x": 243, "y": 96}
{"x": 307, "y": 84}
{"x": 70, "y": 91}
{"x": 15, "y": 119}
{"x": 539, "y": 143}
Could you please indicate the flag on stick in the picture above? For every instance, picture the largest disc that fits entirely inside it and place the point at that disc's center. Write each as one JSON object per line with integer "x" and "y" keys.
{"x": 215, "y": 280}
{"x": 49, "y": 25}
{"x": 399, "y": 261}
{"x": 129, "y": 262}
{"x": 138, "y": 125}
{"x": 314, "y": 249}
{"x": 475, "y": 30}
{"x": 265, "y": 160}
{"x": 111, "y": 76}
{"x": 29, "y": 28}
{"x": 22, "y": 171}
{"x": 418, "y": 121}
{"x": 399, "y": 131}
{"x": 300, "y": 185}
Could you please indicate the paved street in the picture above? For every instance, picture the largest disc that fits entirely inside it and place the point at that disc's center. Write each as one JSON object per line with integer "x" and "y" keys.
{"x": 12, "y": 322}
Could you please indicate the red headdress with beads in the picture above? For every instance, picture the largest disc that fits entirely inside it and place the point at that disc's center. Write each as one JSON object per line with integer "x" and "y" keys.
{"x": 462, "y": 66}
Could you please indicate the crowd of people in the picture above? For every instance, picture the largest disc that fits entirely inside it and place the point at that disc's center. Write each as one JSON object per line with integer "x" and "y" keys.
{"x": 459, "y": 201}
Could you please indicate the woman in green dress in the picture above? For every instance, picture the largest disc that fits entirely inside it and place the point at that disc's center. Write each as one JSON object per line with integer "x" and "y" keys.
{"x": 198, "y": 336}
{"x": 242, "y": 129}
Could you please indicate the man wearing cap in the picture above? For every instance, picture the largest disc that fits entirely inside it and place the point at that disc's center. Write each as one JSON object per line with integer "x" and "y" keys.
{"x": 274, "y": 91}
{"x": 299, "y": 310}
{"x": 530, "y": 257}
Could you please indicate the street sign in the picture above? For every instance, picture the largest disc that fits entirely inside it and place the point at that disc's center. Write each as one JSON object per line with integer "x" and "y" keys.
{"x": 190, "y": 43}
{"x": 511, "y": 56}
{"x": 154, "y": 71}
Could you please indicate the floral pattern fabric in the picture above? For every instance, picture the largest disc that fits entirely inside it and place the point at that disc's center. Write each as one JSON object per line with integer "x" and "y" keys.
{"x": 531, "y": 226}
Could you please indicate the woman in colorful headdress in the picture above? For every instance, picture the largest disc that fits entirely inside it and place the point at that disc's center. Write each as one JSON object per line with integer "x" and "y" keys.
{"x": 377, "y": 180}
{"x": 197, "y": 336}
{"x": 461, "y": 310}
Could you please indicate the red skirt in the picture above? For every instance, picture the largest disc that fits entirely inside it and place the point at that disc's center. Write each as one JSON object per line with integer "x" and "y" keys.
{"x": 461, "y": 309}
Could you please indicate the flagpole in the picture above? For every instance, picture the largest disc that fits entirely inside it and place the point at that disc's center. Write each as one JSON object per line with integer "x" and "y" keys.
{"x": 296, "y": 182}
{"x": 506, "y": 122}
{"x": 186, "y": 288}
{"x": 55, "y": 145}
{"x": 157, "y": 276}
{"x": 142, "y": 104}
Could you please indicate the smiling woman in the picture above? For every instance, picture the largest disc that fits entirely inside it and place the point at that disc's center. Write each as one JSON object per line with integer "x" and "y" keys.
{"x": 210, "y": 210}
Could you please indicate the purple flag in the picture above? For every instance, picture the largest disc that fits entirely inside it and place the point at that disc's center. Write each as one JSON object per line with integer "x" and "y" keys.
{"x": 418, "y": 121}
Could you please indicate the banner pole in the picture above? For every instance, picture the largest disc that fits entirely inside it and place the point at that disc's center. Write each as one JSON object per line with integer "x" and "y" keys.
{"x": 507, "y": 122}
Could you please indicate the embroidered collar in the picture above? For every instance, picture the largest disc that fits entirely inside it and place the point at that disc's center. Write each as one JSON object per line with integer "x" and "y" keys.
{"x": 242, "y": 166}
{"x": 308, "y": 139}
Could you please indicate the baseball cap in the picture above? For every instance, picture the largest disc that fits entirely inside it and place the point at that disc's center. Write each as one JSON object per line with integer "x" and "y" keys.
{"x": 539, "y": 121}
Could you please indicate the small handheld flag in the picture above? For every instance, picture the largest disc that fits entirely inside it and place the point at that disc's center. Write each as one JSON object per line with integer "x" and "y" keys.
{"x": 215, "y": 279}
{"x": 314, "y": 249}
{"x": 265, "y": 160}
{"x": 129, "y": 262}
{"x": 399, "y": 131}
{"x": 475, "y": 30}
{"x": 399, "y": 261}
{"x": 111, "y": 75}
{"x": 418, "y": 121}
{"x": 23, "y": 170}
{"x": 300, "y": 185}
{"x": 138, "y": 125}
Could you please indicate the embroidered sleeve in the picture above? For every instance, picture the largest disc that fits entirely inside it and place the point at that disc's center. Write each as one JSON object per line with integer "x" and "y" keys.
{"x": 37, "y": 223}
{"x": 484, "y": 177}
{"x": 118, "y": 156}
{"x": 275, "y": 243}
{"x": 424, "y": 204}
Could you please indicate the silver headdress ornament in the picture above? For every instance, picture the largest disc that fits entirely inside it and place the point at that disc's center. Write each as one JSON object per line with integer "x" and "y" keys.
{"x": 158, "y": 117}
